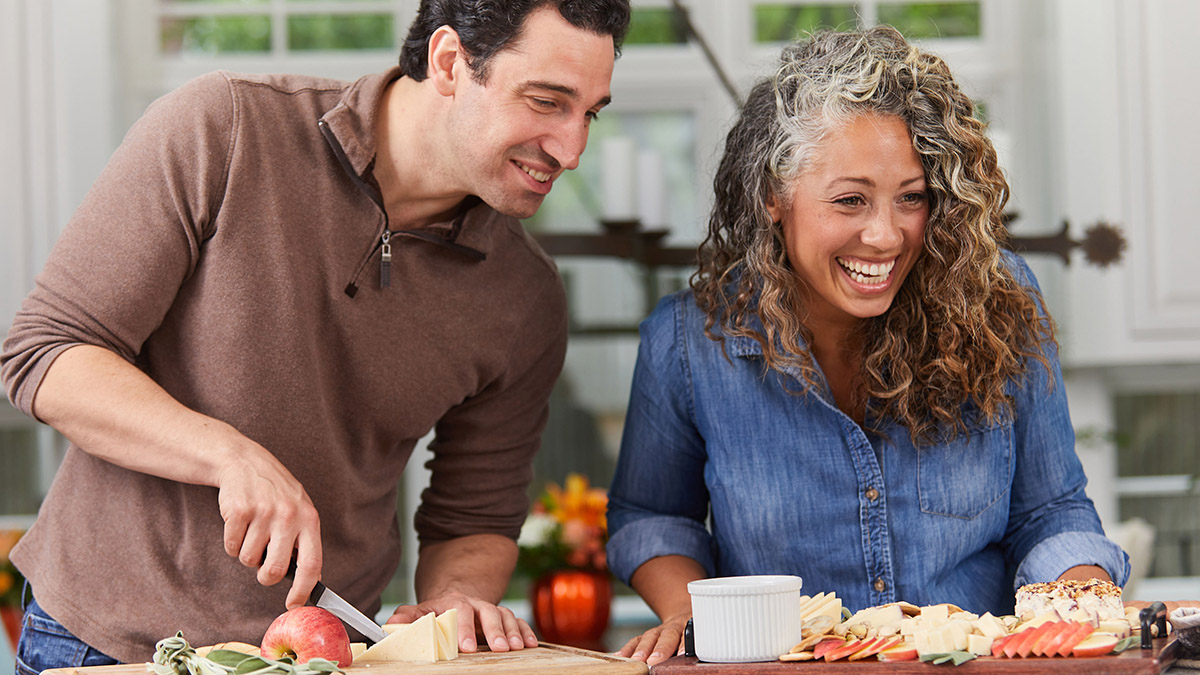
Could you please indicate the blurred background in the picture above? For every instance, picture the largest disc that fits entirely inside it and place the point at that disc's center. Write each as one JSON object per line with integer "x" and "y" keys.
{"x": 1091, "y": 104}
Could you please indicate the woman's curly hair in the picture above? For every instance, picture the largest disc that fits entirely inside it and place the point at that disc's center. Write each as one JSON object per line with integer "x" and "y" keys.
{"x": 961, "y": 327}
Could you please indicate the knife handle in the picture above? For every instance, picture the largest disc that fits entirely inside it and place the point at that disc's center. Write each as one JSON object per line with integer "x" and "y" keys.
{"x": 317, "y": 591}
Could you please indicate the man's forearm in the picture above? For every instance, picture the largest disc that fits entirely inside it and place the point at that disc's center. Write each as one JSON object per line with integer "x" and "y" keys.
{"x": 114, "y": 411}
{"x": 477, "y": 565}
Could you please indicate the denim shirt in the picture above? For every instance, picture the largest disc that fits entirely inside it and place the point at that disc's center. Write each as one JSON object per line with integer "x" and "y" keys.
{"x": 727, "y": 467}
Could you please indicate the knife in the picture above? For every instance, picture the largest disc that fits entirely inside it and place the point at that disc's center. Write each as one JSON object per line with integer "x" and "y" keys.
{"x": 326, "y": 599}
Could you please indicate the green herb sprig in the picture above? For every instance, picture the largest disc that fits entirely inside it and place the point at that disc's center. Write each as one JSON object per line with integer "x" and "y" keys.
{"x": 174, "y": 656}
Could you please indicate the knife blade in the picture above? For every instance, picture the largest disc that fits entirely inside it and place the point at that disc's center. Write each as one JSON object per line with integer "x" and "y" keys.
{"x": 326, "y": 599}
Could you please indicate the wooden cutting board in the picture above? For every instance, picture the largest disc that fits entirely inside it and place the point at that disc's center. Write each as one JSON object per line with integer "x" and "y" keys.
{"x": 544, "y": 659}
{"x": 1134, "y": 661}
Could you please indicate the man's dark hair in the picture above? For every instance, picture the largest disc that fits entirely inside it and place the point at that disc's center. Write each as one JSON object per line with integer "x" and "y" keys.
{"x": 486, "y": 27}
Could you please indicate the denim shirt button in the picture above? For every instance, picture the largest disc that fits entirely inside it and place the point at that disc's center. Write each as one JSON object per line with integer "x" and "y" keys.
{"x": 880, "y": 584}
{"x": 872, "y": 494}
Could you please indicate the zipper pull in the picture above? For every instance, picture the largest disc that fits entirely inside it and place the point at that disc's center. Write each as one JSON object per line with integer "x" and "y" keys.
{"x": 385, "y": 260}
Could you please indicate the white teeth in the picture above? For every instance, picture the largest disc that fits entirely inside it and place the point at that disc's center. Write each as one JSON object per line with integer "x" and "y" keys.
{"x": 867, "y": 273}
{"x": 539, "y": 176}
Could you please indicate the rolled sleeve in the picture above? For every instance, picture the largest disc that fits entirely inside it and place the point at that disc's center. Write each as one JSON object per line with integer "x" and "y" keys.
{"x": 658, "y": 503}
{"x": 653, "y": 536}
{"x": 1053, "y": 556}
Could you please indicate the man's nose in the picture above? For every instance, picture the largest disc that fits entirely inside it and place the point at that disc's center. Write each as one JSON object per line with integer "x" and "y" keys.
{"x": 567, "y": 143}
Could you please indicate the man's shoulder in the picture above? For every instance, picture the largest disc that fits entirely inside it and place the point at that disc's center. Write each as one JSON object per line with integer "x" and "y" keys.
{"x": 281, "y": 83}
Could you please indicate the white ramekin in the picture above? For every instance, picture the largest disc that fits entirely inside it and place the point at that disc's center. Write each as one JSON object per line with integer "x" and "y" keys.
{"x": 738, "y": 619}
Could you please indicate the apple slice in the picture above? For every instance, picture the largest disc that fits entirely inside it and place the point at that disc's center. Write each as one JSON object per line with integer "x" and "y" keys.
{"x": 998, "y": 644}
{"x": 844, "y": 650}
{"x": 1097, "y": 644}
{"x": 1053, "y": 631}
{"x": 1081, "y": 633}
{"x": 1016, "y": 640}
{"x": 827, "y": 645}
{"x": 902, "y": 652}
{"x": 879, "y": 645}
{"x": 1051, "y": 647}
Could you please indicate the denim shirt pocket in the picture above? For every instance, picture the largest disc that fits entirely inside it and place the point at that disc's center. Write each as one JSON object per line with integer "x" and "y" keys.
{"x": 962, "y": 478}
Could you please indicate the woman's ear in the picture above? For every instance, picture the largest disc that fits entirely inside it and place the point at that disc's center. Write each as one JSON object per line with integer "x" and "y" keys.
{"x": 445, "y": 52}
{"x": 773, "y": 209}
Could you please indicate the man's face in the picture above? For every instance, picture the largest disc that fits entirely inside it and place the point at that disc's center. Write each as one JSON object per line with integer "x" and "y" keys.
{"x": 514, "y": 134}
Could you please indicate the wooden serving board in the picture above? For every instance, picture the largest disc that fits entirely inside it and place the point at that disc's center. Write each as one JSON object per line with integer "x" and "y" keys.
{"x": 544, "y": 659}
{"x": 1135, "y": 661}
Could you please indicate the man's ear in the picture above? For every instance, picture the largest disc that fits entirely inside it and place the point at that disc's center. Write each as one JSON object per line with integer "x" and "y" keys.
{"x": 445, "y": 55}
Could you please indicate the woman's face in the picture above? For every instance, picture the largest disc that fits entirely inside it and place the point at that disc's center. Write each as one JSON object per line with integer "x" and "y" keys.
{"x": 856, "y": 222}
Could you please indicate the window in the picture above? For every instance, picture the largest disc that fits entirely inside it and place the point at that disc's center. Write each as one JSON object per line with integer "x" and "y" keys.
{"x": 213, "y": 27}
{"x": 781, "y": 21}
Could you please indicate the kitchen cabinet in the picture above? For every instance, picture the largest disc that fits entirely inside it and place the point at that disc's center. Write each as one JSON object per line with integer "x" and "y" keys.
{"x": 1127, "y": 145}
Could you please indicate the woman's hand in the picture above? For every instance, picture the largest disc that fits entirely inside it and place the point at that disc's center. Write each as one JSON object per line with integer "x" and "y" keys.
{"x": 658, "y": 644}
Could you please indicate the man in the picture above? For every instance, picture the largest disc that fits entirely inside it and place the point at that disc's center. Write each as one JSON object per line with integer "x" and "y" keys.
{"x": 277, "y": 286}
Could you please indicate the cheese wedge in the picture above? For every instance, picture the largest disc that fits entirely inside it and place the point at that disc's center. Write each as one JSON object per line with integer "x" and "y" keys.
{"x": 414, "y": 642}
{"x": 447, "y": 631}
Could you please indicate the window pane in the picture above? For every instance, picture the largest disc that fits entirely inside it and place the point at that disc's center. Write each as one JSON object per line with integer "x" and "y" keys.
{"x": 329, "y": 31}
{"x": 18, "y": 470}
{"x": 655, "y": 26}
{"x": 933, "y": 19}
{"x": 213, "y": 35}
{"x": 784, "y": 22}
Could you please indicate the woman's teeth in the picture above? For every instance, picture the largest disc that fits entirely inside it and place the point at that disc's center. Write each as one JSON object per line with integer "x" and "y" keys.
{"x": 537, "y": 175}
{"x": 867, "y": 273}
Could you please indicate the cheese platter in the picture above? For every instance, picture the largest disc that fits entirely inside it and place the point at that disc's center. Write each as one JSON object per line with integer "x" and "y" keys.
{"x": 1058, "y": 627}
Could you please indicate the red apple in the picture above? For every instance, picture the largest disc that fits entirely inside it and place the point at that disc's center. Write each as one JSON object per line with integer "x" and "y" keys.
{"x": 307, "y": 633}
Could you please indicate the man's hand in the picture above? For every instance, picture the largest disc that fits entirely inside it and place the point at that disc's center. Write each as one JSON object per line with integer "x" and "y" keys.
{"x": 470, "y": 573}
{"x": 497, "y": 626}
{"x": 268, "y": 516}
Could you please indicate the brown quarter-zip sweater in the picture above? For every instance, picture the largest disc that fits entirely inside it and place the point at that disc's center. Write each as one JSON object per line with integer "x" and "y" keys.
{"x": 231, "y": 250}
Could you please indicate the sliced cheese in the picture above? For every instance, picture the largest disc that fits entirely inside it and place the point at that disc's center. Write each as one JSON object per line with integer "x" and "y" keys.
{"x": 356, "y": 649}
{"x": 447, "y": 632}
{"x": 417, "y": 642}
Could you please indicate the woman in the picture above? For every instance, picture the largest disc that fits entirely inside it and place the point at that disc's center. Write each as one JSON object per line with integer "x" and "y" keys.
{"x": 862, "y": 387}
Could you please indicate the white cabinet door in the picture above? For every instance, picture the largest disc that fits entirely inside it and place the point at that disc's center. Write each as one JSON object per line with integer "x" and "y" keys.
{"x": 1130, "y": 154}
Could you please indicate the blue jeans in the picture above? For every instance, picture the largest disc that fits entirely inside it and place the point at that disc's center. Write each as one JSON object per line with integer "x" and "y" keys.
{"x": 46, "y": 644}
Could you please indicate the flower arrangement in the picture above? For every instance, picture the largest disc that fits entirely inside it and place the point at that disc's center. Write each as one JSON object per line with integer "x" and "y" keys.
{"x": 566, "y": 529}
{"x": 11, "y": 581}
